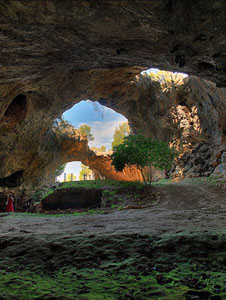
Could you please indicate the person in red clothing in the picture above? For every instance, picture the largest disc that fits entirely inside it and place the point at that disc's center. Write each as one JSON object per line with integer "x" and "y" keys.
{"x": 9, "y": 204}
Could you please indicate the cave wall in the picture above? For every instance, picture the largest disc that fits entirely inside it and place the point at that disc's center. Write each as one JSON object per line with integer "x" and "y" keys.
{"x": 56, "y": 53}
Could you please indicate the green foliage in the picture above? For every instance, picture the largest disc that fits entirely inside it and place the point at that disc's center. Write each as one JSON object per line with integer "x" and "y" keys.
{"x": 60, "y": 170}
{"x": 120, "y": 132}
{"x": 100, "y": 149}
{"x": 142, "y": 151}
{"x": 47, "y": 215}
{"x": 60, "y": 124}
{"x": 84, "y": 171}
{"x": 110, "y": 195}
{"x": 162, "y": 182}
{"x": 92, "y": 184}
{"x": 85, "y": 130}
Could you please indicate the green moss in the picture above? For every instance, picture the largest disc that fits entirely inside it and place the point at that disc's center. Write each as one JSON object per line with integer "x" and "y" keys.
{"x": 95, "y": 284}
{"x": 121, "y": 267}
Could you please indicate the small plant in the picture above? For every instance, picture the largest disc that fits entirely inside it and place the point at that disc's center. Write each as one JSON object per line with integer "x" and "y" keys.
{"x": 113, "y": 206}
{"x": 110, "y": 195}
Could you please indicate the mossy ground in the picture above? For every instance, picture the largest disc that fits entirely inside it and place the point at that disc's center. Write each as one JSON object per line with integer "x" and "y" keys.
{"x": 54, "y": 214}
{"x": 95, "y": 284}
{"x": 89, "y": 184}
{"x": 116, "y": 195}
{"x": 168, "y": 267}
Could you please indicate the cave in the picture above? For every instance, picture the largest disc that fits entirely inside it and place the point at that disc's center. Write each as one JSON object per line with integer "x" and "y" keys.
{"x": 17, "y": 110}
{"x": 107, "y": 69}
{"x": 55, "y": 54}
{"x": 73, "y": 199}
{"x": 13, "y": 180}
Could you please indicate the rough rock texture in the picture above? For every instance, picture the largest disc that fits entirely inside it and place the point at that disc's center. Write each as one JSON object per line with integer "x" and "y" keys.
{"x": 73, "y": 147}
{"x": 42, "y": 37}
{"x": 56, "y": 53}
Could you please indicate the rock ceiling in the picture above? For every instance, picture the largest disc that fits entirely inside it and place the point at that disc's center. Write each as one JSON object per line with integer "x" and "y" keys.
{"x": 56, "y": 53}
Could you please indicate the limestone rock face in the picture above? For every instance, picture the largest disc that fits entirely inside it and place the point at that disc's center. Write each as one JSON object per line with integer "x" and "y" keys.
{"x": 43, "y": 37}
{"x": 57, "y": 53}
{"x": 182, "y": 111}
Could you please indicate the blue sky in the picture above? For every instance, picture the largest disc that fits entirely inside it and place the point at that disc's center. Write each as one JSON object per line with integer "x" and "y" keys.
{"x": 102, "y": 121}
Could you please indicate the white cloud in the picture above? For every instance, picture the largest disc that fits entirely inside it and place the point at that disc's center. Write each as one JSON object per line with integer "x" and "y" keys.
{"x": 103, "y": 132}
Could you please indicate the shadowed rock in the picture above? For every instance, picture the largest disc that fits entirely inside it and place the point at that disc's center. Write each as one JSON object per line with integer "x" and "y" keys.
{"x": 55, "y": 54}
{"x": 73, "y": 198}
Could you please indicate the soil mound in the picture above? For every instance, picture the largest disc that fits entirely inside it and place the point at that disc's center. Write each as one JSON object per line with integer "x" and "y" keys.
{"x": 73, "y": 198}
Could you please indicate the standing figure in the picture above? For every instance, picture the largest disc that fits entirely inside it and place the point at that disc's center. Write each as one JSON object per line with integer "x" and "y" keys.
{"x": 9, "y": 204}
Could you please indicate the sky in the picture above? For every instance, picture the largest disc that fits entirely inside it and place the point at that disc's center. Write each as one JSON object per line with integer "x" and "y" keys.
{"x": 102, "y": 121}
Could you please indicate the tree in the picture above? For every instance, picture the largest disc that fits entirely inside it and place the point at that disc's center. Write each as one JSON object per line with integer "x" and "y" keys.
{"x": 84, "y": 171}
{"x": 101, "y": 149}
{"x": 142, "y": 151}
{"x": 60, "y": 124}
{"x": 60, "y": 170}
{"x": 120, "y": 132}
{"x": 85, "y": 130}
{"x": 68, "y": 178}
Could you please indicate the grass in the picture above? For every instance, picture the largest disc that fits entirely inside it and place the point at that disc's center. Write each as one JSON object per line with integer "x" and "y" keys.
{"x": 89, "y": 184}
{"x": 27, "y": 214}
{"x": 162, "y": 182}
{"x": 211, "y": 180}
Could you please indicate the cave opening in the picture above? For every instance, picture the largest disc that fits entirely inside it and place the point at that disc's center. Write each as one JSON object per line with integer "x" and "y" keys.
{"x": 13, "y": 180}
{"x": 101, "y": 125}
{"x": 17, "y": 110}
{"x": 75, "y": 171}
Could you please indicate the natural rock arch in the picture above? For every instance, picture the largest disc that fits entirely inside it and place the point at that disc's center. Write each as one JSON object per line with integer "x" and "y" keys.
{"x": 56, "y": 62}
{"x": 156, "y": 110}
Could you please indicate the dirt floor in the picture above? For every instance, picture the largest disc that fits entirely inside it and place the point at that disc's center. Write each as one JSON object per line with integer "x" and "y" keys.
{"x": 180, "y": 207}
{"x": 174, "y": 250}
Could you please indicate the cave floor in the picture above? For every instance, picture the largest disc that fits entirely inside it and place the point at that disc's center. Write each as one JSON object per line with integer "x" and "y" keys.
{"x": 180, "y": 207}
{"x": 173, "y": 250}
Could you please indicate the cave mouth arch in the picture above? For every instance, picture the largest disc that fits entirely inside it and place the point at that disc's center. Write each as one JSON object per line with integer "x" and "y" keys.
{"x": 102, "y": 121}
{"x": 17, "y": 110}
{"x": 76, "y": 171}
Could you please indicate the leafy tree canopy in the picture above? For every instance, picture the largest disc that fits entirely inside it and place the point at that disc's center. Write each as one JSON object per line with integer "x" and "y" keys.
{"x": 101, "y": 149}
{"x": 120, "y": 132}
{"x": 142, "y": 151}
{"x": 84, "y": 170}
{"x": 85, "y": 130}
{"x": 166, "y": 79}
{"x": 60, "y": 170}
{"x": 68, "y": 178}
